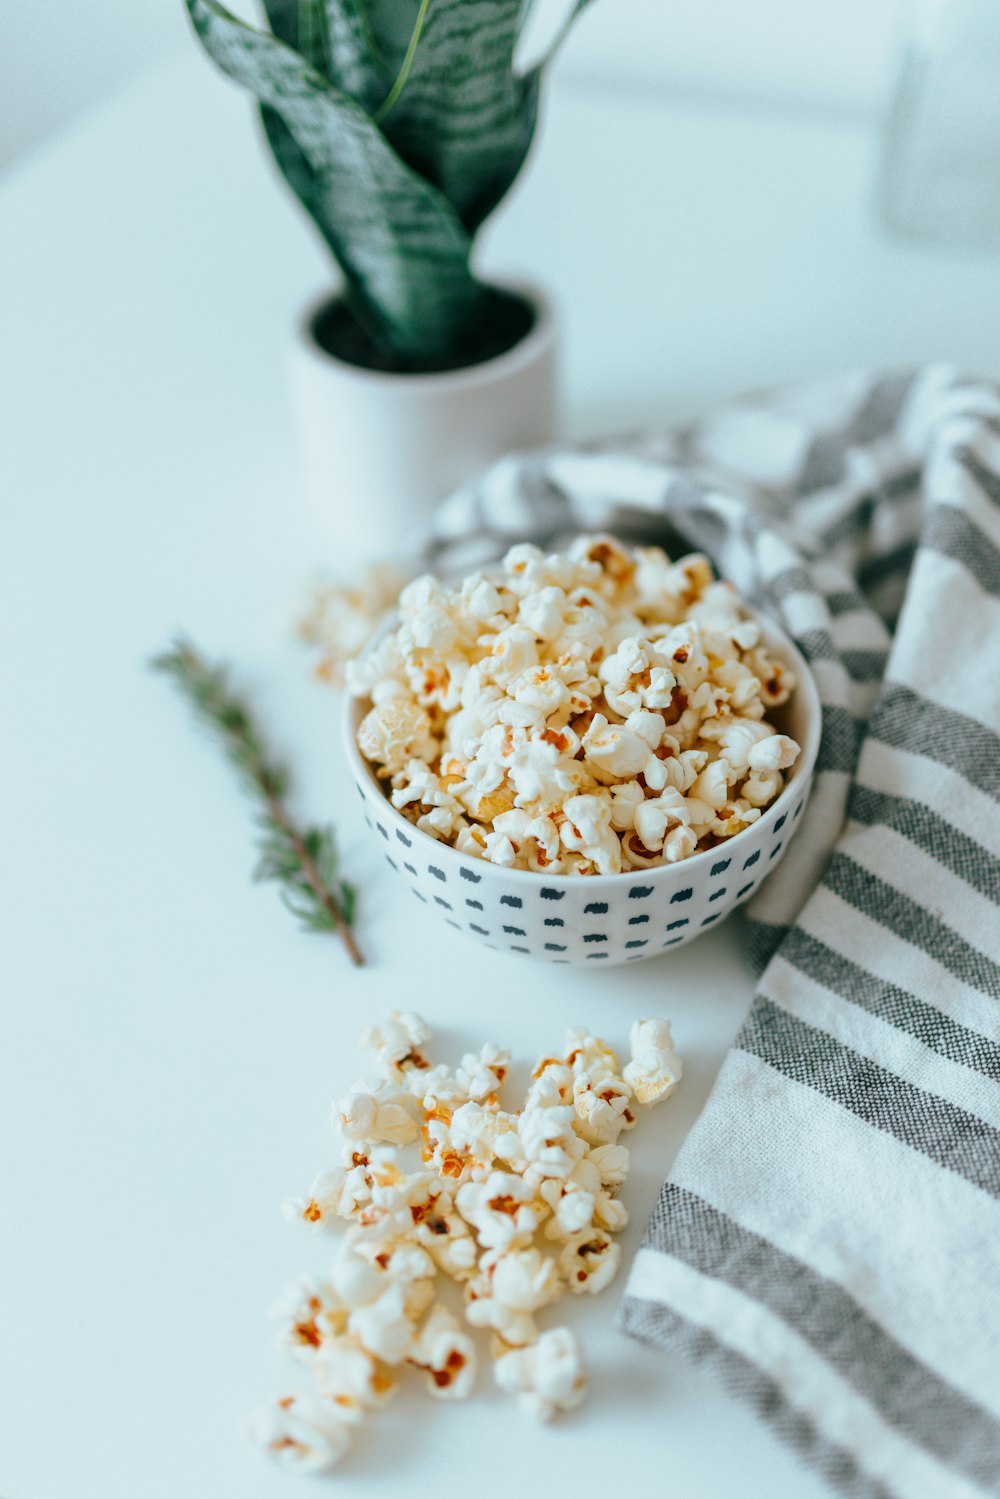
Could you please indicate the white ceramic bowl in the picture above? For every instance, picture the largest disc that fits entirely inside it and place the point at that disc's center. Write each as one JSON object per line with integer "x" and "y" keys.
{"x": 614, "y": 918}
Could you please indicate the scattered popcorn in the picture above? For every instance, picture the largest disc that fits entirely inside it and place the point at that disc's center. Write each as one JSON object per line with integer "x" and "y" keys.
{"x": 376, "y": 1112}
{"x": 590, "y": 1261}
{"x": 446, "y": 1354}
{"x": 304, "y": 1433}
{"x": 436, "y": 1178}
{"x": 581, "y": 713}
{"x": 340, "y": 619}
{"x": 546, "y": 1378}
{"x": 655, "y": 1068}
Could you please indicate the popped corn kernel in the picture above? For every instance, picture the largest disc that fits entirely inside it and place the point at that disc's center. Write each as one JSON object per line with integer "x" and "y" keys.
{"x": 482, "y": 1073}
{"x": 501, "y": 1209}
{"x": 602, "y": 1106}
{"x": 304, "y": 1433}
{"x": 377, "y": 1112}
{"x": 446, "y": 1354}
{"x": 655, "y": 1069}
{"x": 590, "y": 1261}
{"x": 396, "y": 1043}
{"x": 548, "y": 1377}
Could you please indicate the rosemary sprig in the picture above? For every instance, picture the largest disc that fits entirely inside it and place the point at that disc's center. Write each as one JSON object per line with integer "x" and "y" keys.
{"x": 302, "y": 862}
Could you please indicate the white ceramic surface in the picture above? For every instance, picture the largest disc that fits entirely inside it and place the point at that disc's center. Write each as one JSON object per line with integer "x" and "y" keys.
{"x": 380, "y": 450}
{"x": 600, "y": 919}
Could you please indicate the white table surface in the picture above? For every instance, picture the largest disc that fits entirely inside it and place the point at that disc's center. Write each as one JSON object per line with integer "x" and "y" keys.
{"x": 170, "y": 1041}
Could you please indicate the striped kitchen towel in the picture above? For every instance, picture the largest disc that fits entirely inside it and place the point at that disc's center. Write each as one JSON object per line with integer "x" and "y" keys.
{"x": 829, "y": 1237}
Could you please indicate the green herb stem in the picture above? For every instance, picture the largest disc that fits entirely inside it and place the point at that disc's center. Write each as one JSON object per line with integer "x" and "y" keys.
{"x": 304, "y": 863}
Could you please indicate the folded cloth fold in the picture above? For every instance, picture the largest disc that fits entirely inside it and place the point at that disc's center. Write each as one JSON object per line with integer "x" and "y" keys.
{"x": 829, "y": 1237}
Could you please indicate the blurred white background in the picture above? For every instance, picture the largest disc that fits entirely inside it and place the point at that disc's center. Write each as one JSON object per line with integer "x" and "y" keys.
{"x": 63, "y": 58}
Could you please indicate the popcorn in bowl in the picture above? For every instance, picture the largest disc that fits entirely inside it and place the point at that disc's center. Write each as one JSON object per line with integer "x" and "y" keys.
{"x": 590, "y": 712}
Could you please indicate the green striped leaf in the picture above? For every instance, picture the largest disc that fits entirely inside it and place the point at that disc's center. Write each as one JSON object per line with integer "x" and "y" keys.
{"x": 335, "y": 37}
{"x": 403, "y": 248}
{"x": 462, "y": 119}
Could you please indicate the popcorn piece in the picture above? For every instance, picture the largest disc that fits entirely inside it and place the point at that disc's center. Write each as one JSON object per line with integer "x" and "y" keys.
{"x": 383, "y": 1326}
{"x": 481, "y": 1074}
{"x": 446, "y": 1354}
{"x": 304, "y": 1433}
{"x": 546, "y": 1378}
{"x": 612, "y": 751}
{"x": 377, "y": 1112}
{"x": 335, "y": 1193}
{"x": 602, "y": 1107}
{"x": 775, "y": 752}
{"x": 340, "y": 618}
{"x": 587, "y": 1053}
{"x": 310, "y": 1313}
{"x": 501, "y": 1209}
{"x": 588, "y": 830}
{"x": 590, "y": 1261}
{"x": 573, "y": 1200}
{"x": 637, "y": 676}
{"x": 612, "y": 1161}
{"x": 550, "y": 1143}
{"x": 655, "y": 1069}
{"x": 525, "y": 1280}
{"x": 352, "y": 1379}
{"x": 396, "y": 1044}
{"x": 394, "y": 732}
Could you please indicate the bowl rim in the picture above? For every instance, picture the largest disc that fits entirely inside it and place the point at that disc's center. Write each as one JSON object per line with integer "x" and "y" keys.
{"x": 801, "y": 771}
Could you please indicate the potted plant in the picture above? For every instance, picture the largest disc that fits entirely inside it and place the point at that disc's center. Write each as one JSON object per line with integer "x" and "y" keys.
{"x": 400, "y": 125}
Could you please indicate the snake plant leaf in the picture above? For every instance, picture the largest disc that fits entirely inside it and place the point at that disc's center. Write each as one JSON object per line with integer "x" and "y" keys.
{"x": 461, "y": 117}
{"x": 403, "y": 249}
{"x": 335, "y": 37}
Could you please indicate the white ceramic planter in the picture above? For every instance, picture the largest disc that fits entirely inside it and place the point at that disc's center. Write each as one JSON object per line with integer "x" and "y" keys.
{"x": 380, "y": 451}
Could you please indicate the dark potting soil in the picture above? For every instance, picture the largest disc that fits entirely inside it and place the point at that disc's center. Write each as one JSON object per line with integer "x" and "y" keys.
{"x": 506, "y": 319}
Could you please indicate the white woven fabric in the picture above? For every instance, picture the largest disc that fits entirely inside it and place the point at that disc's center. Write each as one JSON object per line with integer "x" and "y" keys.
{"x": 830, "y": 1234}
